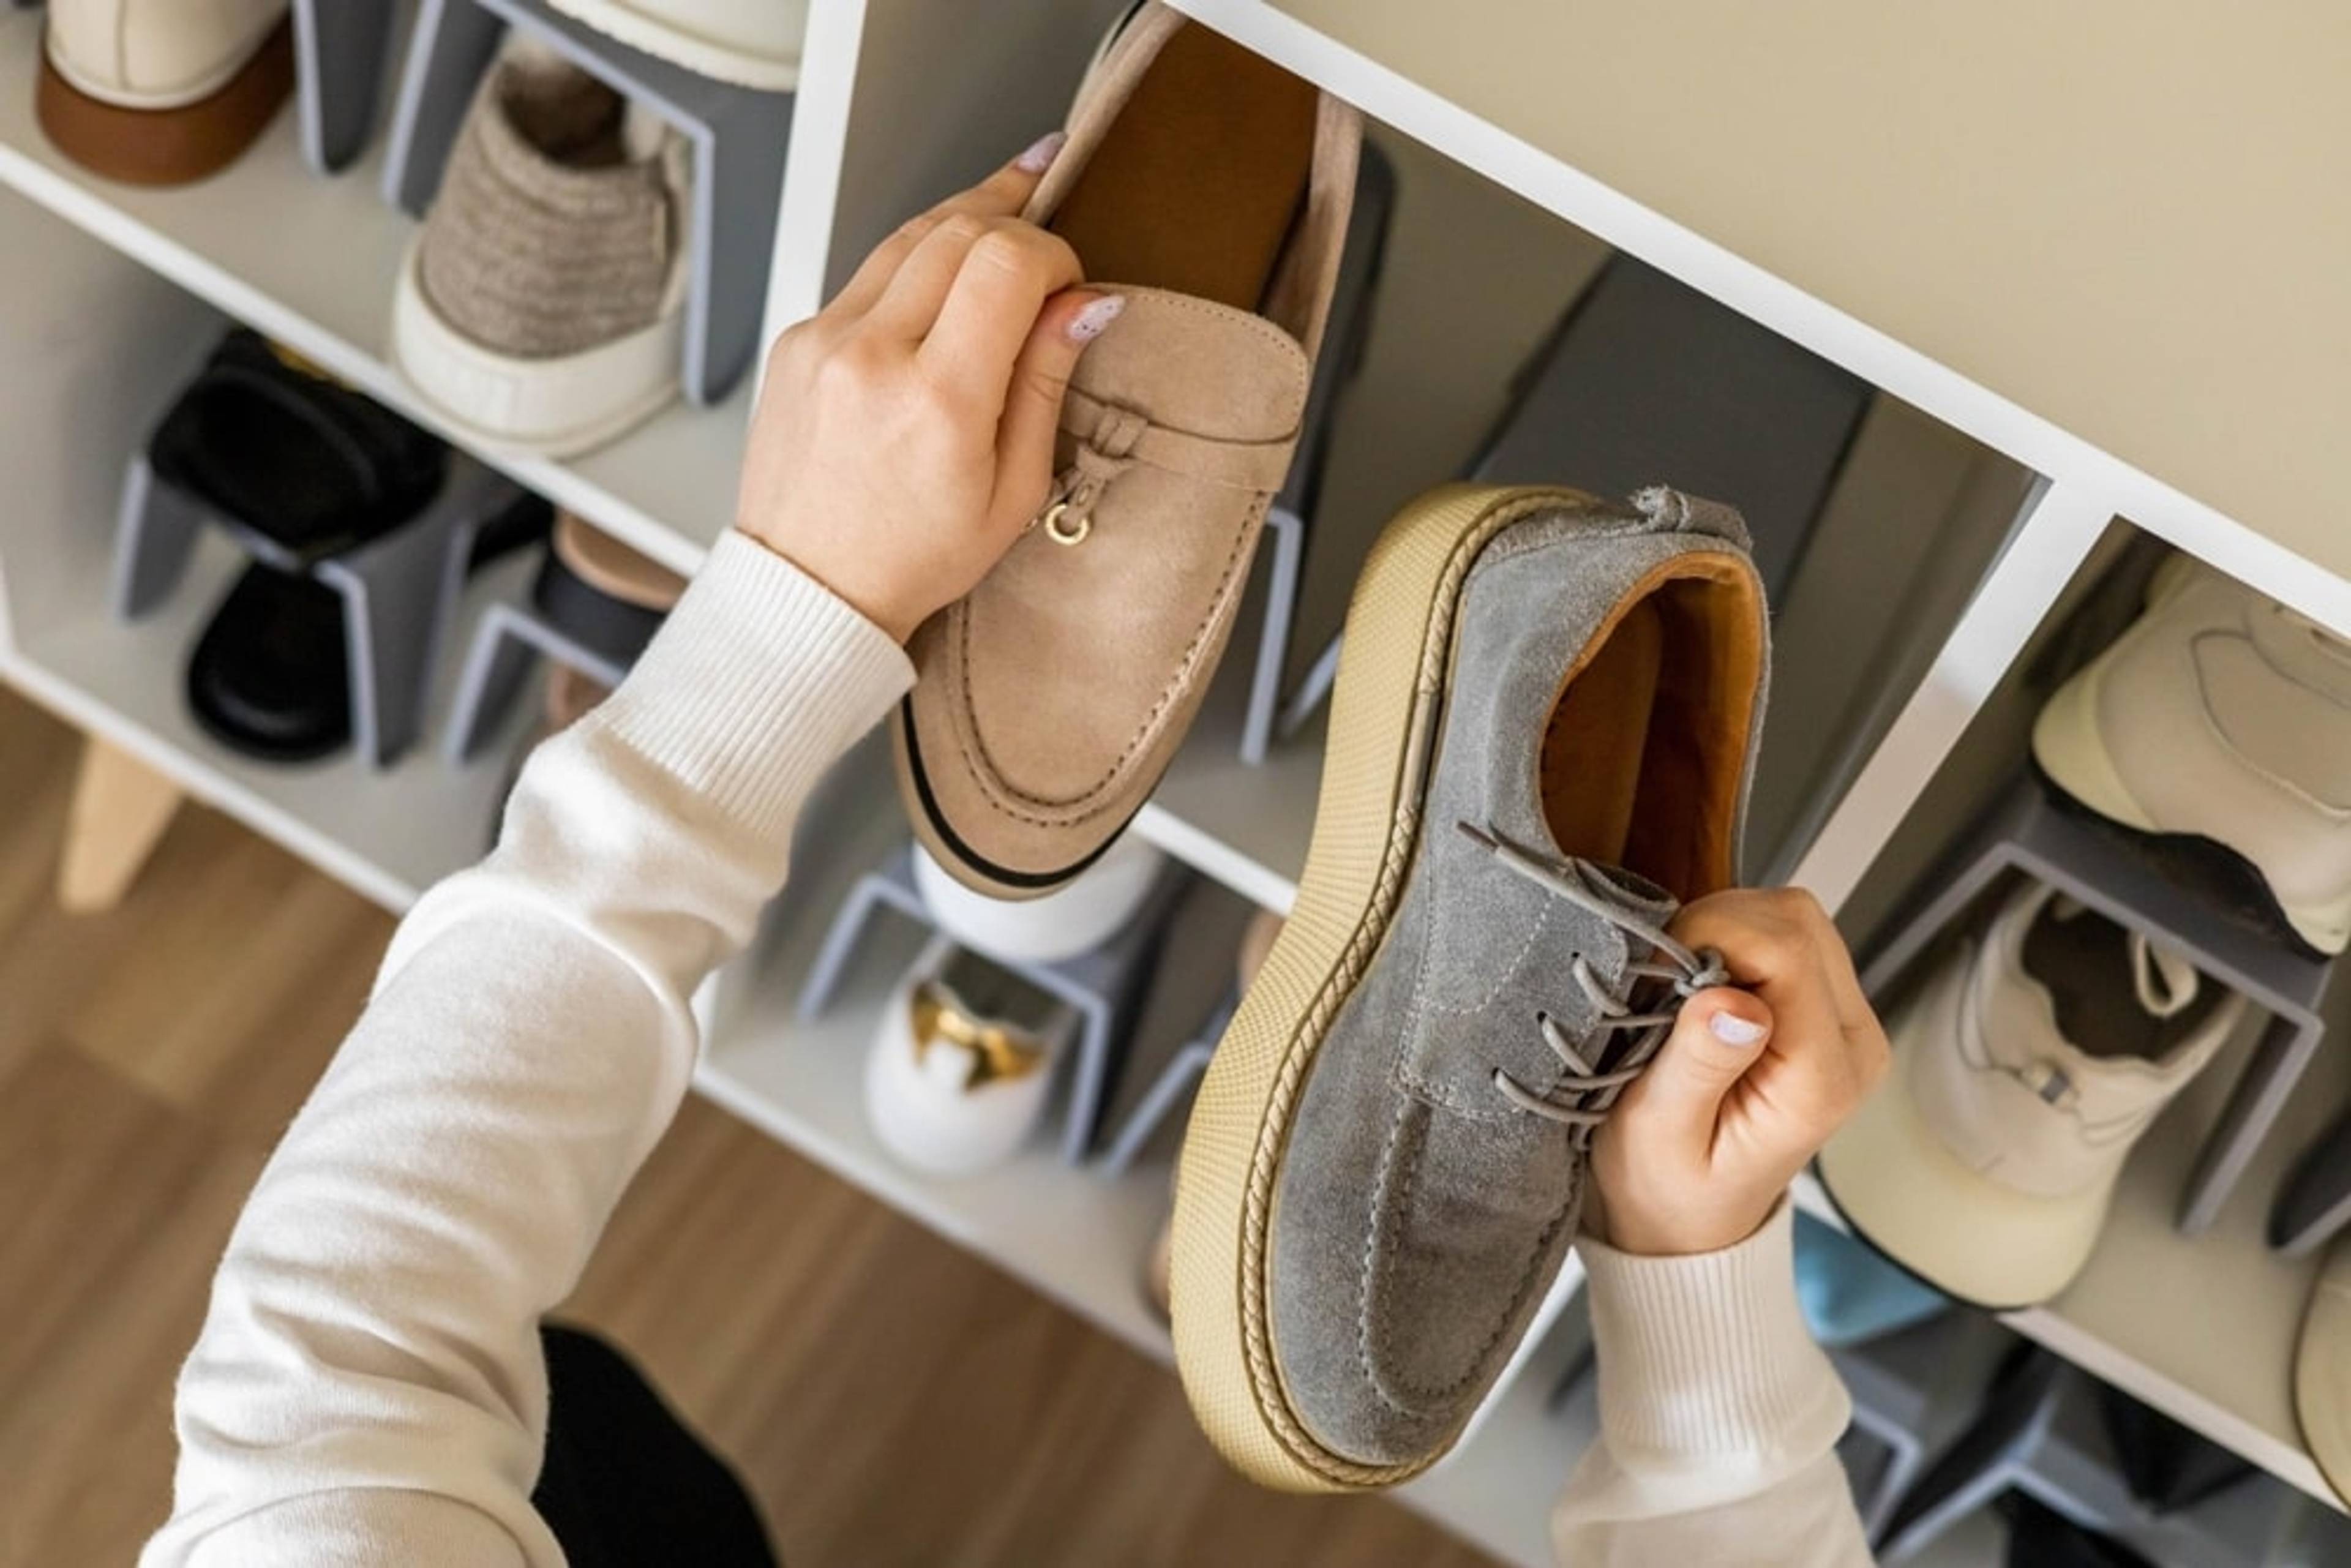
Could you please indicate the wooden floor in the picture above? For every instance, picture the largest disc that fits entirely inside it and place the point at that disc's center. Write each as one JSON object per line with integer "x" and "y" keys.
{"x": 891, "y": 1400}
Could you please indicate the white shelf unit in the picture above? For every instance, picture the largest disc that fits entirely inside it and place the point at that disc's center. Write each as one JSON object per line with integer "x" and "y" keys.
{"x": 108, "y": 295}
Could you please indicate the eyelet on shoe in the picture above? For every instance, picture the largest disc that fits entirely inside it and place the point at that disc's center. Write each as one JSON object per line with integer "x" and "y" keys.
{"x": 1063, "y": 533}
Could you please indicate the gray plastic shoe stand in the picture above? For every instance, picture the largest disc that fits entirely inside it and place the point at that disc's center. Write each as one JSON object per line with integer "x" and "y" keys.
{"x": 1914, "y": 1391}
{"x": 2026, "y": 832}
{"x": 738, "y": 137}
{"x": 1170, "y": 1091}
{"x": 1647, "y": 381}
{"x": 1344, "y": 344}
{"x": 1105, "y": 986}
{"x": 2042, "y": 1435}
{"x": 399, "y": 592}
{"x": 339, "y": 48}
{"x": 508, "y": 640}
{"x": 2315, "y": 1204}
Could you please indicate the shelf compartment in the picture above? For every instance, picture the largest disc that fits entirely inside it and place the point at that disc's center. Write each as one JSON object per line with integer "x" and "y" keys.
{"x": 312, "y": 261}
{"x": 2204, "y": 1328}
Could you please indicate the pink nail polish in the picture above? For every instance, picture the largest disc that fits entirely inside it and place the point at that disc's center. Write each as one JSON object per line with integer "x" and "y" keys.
{"x": 1039, "y": 156}
{"x": 1090, "y": 323}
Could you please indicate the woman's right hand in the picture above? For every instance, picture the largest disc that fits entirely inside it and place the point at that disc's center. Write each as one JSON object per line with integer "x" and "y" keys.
{"x": 904, "y": 434}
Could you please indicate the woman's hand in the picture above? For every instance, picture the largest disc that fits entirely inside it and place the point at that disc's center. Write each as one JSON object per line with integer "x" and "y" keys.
{"x": 904, "y": 436}
{"x": 1749, "y": 1086}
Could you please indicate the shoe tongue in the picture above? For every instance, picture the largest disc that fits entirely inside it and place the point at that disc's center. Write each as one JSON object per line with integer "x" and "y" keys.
{"x": 2093, "y": 1017}
{"x": 1198, "y": 367}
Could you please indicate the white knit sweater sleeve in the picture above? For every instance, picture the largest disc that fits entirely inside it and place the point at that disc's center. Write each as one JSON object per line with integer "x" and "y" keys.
{"x": 1719, "y": 1418}
{"x": 368, "y": 1385}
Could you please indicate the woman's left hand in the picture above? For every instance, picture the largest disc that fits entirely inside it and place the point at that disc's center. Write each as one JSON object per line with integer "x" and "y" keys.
{"x": 1752, "y": 1082}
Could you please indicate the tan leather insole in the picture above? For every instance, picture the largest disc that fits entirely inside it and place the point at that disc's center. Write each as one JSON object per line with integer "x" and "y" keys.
{"x": 1642, "y": 759}
{"x": 1195, "y": 185}
{"x": 1598, "y": 736}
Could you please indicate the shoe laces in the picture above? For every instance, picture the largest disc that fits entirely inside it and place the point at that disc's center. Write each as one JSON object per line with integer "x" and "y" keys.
{"x": 1590, "y": 1080}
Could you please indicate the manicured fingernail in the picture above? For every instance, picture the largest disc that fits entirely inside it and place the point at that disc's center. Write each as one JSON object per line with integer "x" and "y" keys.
{"x": 1090, "y": 322}
{"x": 1039, "y": 156}
{"x": 1732, "y": 1030}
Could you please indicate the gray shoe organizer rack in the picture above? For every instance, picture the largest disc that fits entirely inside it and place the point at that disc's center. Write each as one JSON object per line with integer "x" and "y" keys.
{"x": 2314, "y": 1205}
{"x": 1938, "y": 1433}
{"x": 1104, "y": 986}
{"x": 508, "y": 642}
{"x": 1646, "y": 382}
{"x": 399, "y": 591}
{"x": 2042, "y": 1432}
{"x": 2029, "y": 834}
{"x": 1914, "y": 1392}
{"x": 738, "y": 137}
{"x": 1170, "y": 1091}
{"x": 339, "y": 48}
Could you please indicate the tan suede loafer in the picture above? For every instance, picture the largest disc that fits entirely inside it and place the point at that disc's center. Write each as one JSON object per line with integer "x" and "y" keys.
{"x": 1212, "y": 190}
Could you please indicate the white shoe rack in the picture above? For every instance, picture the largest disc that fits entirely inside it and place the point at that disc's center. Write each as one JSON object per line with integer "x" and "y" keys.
{"x": 1982, "y": 493}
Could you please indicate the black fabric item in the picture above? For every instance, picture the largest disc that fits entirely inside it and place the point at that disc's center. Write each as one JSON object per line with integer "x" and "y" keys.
{"x": 2019, "y": 1389}
{"x": 2166, "y": 1465}
{"x": 590, "y": 616}
{"x": 2040, "y": 1537}
{"x": 302, "y": 467}
{"x": 626, "y": 1484}
{"x": 270, "y": 677}
{"x": 526, "y": 519}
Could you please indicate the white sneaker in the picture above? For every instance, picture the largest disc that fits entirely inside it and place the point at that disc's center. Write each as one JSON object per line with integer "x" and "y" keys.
{"x": 2322, "y": 1371}
{"x": 962, "y": 1064}
{"x": 2025, "y": 1067}
{"x": 161, "y": 92}
{"x": 2221, "y": 717}
{"x": 751, "y": 43}
{"x": 1076, "y": 917}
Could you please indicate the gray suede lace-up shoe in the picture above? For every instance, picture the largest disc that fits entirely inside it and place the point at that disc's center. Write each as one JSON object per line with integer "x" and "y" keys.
{"x": 1545, "y": 719}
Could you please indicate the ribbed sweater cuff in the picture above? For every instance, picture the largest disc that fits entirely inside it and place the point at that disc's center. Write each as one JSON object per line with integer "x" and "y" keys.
{"x": 756, "y": 682}
{"x": 1706, "y": 1356}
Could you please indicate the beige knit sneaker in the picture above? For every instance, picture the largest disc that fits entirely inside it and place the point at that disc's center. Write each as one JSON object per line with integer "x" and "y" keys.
{"x": 1211, "y": 189}
{"x": 543, "y": 306}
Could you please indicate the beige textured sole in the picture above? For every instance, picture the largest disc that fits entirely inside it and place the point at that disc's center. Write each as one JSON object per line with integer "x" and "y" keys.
{"x": 1384, "y": 714}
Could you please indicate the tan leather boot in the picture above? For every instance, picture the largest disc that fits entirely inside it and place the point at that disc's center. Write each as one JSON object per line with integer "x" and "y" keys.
{"x": 1211, "y": 189}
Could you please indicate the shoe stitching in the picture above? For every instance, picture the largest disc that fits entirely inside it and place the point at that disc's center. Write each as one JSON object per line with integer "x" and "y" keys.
{"x": 1413, "y": 1081}
{"x": 2293, "y": 795}
{"x": 1502, "y": 972}
{"x": 1002, "y": 795}
{"x": 1374, "y": 1290}
{"x": 982, "y": 771}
